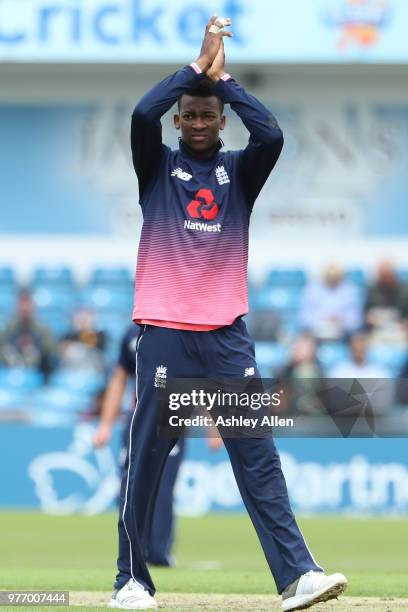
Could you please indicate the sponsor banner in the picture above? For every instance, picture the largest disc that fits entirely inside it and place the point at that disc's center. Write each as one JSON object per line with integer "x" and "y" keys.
{"x": 158, "y": 31}
{"x": 58, "y": 471}
{"x": 342, "y": 173}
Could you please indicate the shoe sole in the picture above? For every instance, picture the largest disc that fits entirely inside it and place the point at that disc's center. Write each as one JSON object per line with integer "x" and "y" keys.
{"x": 143, "y": 606}
{"x": 306, "y": 601}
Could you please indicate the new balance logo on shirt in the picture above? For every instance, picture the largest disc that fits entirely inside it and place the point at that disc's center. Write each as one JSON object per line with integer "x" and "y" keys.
{"x": 181, "y": 174}
{"x": 222, "y": 176}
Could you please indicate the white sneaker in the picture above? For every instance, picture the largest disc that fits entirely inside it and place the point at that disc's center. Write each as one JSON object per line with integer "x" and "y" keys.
{"x": 132, "y": 596}
{"x": 311, "y": 588}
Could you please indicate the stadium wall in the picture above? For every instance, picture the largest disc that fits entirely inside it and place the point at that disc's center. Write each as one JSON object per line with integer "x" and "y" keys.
{"x": 336, "y": 194}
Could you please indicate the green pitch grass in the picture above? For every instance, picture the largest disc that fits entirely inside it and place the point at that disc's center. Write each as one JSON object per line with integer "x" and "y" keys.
{"x": 215, "y": 554}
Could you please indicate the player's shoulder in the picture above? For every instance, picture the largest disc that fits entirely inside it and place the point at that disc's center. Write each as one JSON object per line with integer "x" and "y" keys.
{"x": 229, "y": 158}
{"x": 231, "y": 155}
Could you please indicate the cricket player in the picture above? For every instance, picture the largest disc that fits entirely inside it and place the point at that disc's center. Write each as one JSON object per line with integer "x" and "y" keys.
{"x": 191, "y": 293}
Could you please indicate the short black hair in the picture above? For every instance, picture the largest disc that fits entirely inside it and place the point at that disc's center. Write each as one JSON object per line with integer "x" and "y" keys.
{"x": 205, "y": 89}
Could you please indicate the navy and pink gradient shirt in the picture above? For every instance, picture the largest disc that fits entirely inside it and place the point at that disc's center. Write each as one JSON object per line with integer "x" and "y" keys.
{"x": 193, "y": 251}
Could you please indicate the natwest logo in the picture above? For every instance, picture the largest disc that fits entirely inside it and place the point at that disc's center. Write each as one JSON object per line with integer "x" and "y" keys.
{"x": 203, "y": 206}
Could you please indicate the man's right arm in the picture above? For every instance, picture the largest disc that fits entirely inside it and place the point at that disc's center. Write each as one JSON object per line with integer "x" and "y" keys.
{"x": 111, "y": 405}
{"x": 146, "y": 131}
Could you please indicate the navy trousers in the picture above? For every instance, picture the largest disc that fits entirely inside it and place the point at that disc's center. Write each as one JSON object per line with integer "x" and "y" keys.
{"x": 223, "y": 353}
{"x": 160, "y": 538}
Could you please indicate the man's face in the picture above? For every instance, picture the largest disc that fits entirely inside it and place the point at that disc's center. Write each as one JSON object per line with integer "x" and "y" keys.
{"x": 200, "y": 121}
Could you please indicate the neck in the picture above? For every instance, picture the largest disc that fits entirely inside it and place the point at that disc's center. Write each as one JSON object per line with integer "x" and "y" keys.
{"x": 201, "y": 155}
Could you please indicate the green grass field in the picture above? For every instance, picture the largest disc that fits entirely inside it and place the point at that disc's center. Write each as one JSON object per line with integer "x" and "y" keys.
{"x": 215, "y": 554}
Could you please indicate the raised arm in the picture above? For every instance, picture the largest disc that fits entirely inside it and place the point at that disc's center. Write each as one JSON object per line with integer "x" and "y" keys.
{"x": 265, "y": 136}
{"x": 146, "y": 130}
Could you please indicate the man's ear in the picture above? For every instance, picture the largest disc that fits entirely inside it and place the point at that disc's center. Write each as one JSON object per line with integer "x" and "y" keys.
{"x": 223, "y": 122}
{"x": 176, "y": 120}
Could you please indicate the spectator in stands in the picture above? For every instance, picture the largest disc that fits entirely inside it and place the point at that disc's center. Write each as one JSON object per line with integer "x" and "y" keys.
{"x": 359, "y": 366}
{"x": 83, "y": 346}
{"x": 264, "y": 324}
{"x": 330, "y": 309}
{"x": 304, "y": 377}
{"x": 25, "y": 342}
{"x": 386, "y": 307}
{"x": 401, "y": 392}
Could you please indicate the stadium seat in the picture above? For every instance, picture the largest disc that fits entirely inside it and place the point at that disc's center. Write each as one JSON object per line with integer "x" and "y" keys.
{"x": 107, "y": 298}
{"x": 111, "y": 276}
{"x": 44, "y": 276}
{"x": 356, "y": 276}
{"x": 55, "y": 298}
{"x": 22, "y": 379}
{"x": 390, "y": 357}
{"x": 77, "y": 381}
{"x": 290, "y": 321}
{"x": 279, "y": 298}
{"x": 7, "y": 278}
{"x": 58, "y": 322}
{"x": 270, "y": 357}
{"x": 13, "y": 399}
{"x": 294, "y": 277}
{"x": 403, "y": 275}
{"x": 8, "y": 300}
{"x": 330, "y": 354}
{"x": 58, "y": 400}
{"x": 114, "y": 325}
{"x": 52, "y": 418}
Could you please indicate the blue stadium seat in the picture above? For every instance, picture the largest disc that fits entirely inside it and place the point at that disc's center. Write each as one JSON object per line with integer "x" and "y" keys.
{"x": 77, "y": 381}
{"x": 270, "y": 357}
{"x": 22, "y": 379}
{"x": 279, "y": 298}
{"x": 52, "y": 418}
{"x": 290, "y": 321}
{"x": 13, "y": 399}
{"x": 111, "y": 276}
{"x": 390, "y": 357}
{"x": 292, "y": 277}
{"x": 59, "y": 275}
{"x": 403, "y": 275}
{"x": 330, "y": 354}
{"x": 114, "y": 324}
{"x": 356, "y": 276}
{"x": 7, "y": 278}
{"x": 58, "y": 322}
{"x": 58, "y": 400}
{"x": 117, "y": 299}
{"x": 8, "y": 300}
{"x": 55, "y": 298}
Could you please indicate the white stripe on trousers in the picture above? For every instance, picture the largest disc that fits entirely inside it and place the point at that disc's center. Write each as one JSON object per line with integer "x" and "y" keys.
{"x": 129, "y": 454}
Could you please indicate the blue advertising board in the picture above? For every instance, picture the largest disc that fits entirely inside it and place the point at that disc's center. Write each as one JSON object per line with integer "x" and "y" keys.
{"x": 58, "y": 470}
{"x": 158, "y": 31}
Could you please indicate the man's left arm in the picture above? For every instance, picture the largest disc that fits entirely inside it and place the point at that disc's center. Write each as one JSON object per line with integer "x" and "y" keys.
{"x": 266, "y": 139}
